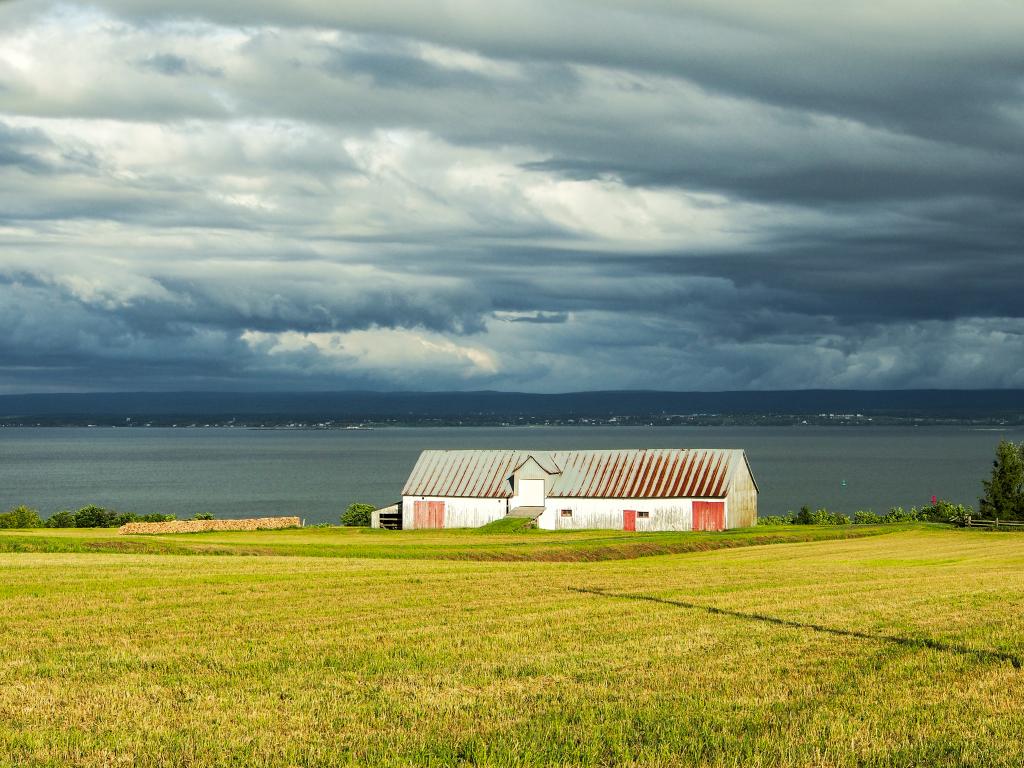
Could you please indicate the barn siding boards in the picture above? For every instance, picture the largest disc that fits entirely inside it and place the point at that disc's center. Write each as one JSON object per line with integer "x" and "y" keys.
{"x": 664, "y": 514}
{"x": 742, "y": 511}
{"x": 458, "y": 513}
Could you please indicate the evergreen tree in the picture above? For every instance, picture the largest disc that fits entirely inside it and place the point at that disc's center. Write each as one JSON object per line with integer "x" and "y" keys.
{"x": 1004, "y": 493}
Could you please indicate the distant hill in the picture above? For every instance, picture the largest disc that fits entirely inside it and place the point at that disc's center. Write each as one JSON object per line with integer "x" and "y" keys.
{"x": 494, "y": 407}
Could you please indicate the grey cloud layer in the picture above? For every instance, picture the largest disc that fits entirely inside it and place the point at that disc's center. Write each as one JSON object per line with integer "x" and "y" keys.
{"x": 551, "y": 196}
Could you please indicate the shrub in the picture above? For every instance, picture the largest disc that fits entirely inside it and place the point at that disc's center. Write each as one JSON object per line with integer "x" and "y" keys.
{"x": 92, "y": 516}
{"x": 63, "y": 519}
{"x": 819, "y": 516}
{"x": 203, "y": 516}
{"x": 357, "y": 514}
{"x": 21, "y": 517}
{"x": 776, "y": 519}
{"x": 944, "y": 511}
{"x": 866, "y": 517}
{"x": 960, "y": 514}
{"x": 900, "y": 515}
{"x": 824, "y": 517}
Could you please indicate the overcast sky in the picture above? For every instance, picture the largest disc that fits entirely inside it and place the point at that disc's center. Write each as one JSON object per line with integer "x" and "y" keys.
{"x": 538, "y": 196}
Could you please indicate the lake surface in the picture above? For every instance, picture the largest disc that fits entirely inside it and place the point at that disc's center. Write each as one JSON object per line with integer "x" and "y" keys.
{"x": 316, "y": 474}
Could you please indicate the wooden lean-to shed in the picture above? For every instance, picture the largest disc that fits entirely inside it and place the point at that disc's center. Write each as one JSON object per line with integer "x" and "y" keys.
{"x": 661, "y": 489}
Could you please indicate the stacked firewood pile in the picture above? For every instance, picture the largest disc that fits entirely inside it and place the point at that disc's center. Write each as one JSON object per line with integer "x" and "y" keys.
{"x": 200, "y": 526}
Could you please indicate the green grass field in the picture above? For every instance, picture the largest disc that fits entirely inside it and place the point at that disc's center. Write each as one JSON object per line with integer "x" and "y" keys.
{"x": 439, "y": 648}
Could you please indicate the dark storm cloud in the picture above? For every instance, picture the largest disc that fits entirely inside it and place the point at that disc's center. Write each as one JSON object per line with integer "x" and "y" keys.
{"x": 537, "y": 316}
{"x": 540, "y": 195}
{"x": 397, "y": 70}
{"x": 21, "y": 148}
{"x": 395, "y": 65}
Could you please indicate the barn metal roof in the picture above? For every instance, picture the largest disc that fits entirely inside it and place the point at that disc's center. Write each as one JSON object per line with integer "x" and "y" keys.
{"x": 646, "y": 473}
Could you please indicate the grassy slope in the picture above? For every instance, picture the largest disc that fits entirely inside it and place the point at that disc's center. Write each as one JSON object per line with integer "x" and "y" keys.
{"x": 502, "y": 543}
{"x": 121, "y": 659}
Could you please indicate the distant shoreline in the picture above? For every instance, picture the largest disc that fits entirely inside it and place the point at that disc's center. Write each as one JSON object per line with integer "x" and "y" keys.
{"x": 773, "y": 420}
{"x": 998, "y": 408}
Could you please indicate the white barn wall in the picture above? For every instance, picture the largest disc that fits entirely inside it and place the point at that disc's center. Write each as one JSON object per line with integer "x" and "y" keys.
{"x": 458, "y": 512}
{"x": 666, "y": 514}
{"x": 742, "y": 512}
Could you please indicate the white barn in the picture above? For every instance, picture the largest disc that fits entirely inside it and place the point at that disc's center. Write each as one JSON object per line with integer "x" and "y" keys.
{"x": 663, "y": 489}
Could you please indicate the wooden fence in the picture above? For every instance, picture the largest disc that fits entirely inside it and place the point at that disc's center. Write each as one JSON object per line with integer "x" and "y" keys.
{"x": 994, "y": 524}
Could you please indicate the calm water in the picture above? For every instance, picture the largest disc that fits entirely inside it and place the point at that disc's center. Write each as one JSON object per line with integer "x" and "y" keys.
{"x": 235, "y": 472}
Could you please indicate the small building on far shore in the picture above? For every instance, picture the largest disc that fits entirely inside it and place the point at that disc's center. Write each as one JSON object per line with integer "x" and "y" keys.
{"x": 660, "y": 489}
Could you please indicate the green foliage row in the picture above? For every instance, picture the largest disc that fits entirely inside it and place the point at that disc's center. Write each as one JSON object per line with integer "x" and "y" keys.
{"x": 90, "y": 516}
{"x": 20, "y": 517}
{"x": 805, "y": 516}
{"x": 941, "y": 512}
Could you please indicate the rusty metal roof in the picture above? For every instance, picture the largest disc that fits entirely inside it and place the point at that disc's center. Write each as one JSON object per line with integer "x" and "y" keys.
{"x": 646, "y": 473}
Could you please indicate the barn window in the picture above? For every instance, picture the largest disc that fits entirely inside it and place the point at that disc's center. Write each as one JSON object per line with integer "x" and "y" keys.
{"x": 566, "y": 513}
{"x": 642, "y": 514}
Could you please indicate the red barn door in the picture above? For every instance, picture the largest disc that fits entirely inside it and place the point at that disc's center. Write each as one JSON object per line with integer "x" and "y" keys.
{"x": 629, "y": 519}
{"x": 437, "y": 514}
{"x": 428, "y": 514}
{"x": 709, "y": 515}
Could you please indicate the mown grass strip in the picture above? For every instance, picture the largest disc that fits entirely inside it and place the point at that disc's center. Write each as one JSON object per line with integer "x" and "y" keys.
{"x": 524, "y": 546}
{"x": 627, "y": 550}
{"x": 910, "y": 642}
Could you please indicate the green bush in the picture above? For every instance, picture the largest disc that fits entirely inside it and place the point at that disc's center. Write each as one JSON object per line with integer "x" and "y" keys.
{"x": 358, "y": 514}
{"x": 203, "y": 516}
{"x": 92, "y": 516}
{"x": 824, "y": 517}
{"x": 900, "y": 515}
{"x": 819, "y": 516}
{"x": 21, "y": 517}
{"x": 63, "y": 519}
{"x": 944, "y": 511}
{"x": 776, "y": 519}
{"x": 866, "y": 517}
